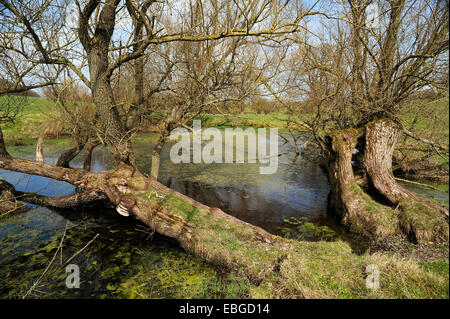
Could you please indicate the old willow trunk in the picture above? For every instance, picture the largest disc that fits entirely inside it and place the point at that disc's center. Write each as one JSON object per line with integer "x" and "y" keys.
{"x": 113, "y": 130}
{"x": 347, "y": 200}
{"x": 390, "y": 208}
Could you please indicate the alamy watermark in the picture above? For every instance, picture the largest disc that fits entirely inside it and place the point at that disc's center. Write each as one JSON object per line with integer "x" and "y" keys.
{"x": 373, "y": 277}
{"x": 228, "y": 147}
{"x": 73, "y": 280}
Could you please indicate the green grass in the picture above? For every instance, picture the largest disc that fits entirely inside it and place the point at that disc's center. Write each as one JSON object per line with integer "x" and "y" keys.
{"x": 250, "y": 119}
{"x": 40, "y": 113}
{"x": 305, "y": 269}
{"x": 37, "y": 115}
{"x": 429, "y": 119}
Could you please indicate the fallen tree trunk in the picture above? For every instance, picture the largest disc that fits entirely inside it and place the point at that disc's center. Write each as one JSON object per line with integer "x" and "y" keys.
{"x": 204, "y": 231}
{"x": 73, "y": 201}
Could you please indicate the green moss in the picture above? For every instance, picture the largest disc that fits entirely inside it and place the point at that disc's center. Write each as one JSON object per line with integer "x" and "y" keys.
{"x": 302, "y": 229}
{"x": 422, "y": 222}
{"x": 371, "y": 217}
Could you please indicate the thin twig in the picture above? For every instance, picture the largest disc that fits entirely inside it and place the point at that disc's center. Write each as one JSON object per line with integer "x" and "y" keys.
{"x": 48, "y": 266}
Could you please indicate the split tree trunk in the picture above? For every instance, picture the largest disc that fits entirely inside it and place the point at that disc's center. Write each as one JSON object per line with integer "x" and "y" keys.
{"x": 346, "y": 199}
{"x": 399, "y": 209}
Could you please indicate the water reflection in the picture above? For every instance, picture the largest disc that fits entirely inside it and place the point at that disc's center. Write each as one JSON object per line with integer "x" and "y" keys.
{"x": 125, "y": 261}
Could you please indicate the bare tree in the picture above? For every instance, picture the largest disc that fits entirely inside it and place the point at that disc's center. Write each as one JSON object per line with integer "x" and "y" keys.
{"x": 205, "y": 76}
{"x": 40, "y": 22}
{"x": 77, "y": 114}
{"x": 357, "y": 76}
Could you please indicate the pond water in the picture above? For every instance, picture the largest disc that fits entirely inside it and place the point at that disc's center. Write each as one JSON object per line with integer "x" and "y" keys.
{"x": 126, "y": 260}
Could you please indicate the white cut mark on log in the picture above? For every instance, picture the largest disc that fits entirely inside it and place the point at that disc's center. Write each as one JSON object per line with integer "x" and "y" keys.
{"x": 122, "y": 210}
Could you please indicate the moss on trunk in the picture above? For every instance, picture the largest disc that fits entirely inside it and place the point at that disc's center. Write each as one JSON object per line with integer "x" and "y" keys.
{"x": 390, "y": 208}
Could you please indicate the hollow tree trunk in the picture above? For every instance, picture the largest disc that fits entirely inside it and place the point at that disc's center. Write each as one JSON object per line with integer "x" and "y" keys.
{"x": 419, "y": 218}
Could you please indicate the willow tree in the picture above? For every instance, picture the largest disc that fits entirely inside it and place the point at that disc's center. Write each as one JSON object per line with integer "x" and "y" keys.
{"x": 33, "y": 32}
{"x": 372, "y": 58}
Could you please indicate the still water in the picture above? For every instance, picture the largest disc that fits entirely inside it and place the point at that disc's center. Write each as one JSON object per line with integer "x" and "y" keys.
{"x": 126, "y": 260}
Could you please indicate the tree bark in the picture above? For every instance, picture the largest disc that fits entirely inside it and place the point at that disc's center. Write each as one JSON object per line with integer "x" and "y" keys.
{"x": 346, "y": 200}
{"x": 381, "y": 137}
{"x": 68, "y": 155}
{"x": 156, "y": 157}
{"x": 390, "y": 208}
{"x": 118, "y": 141}
{"x": 88, "y": 157}
{"x": 39, "y": 151}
